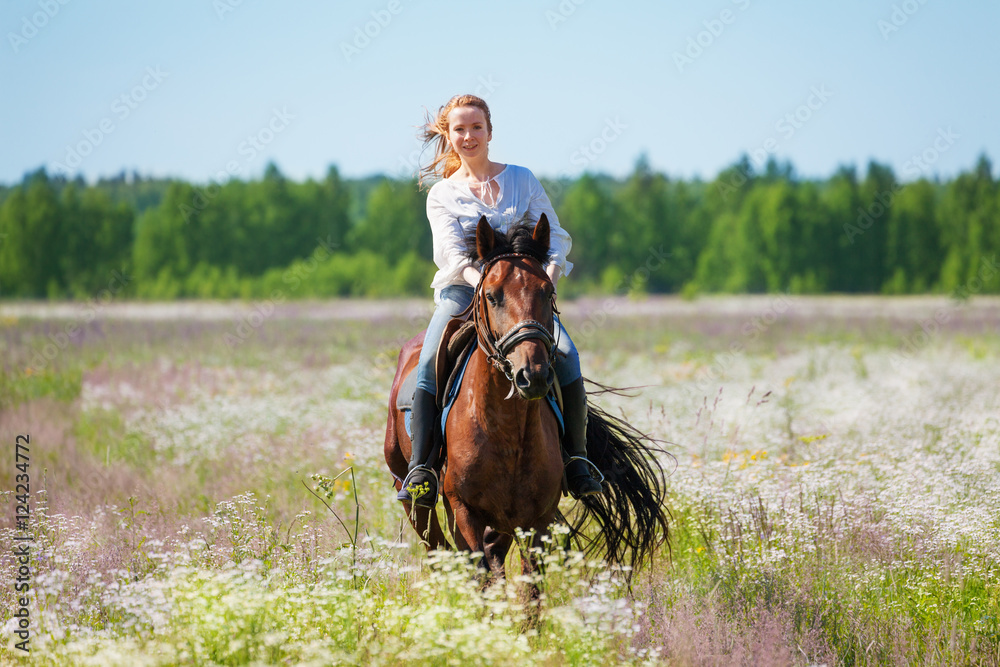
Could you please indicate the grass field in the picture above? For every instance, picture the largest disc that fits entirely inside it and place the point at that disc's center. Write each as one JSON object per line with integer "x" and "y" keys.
{"x": 834, "y": 482}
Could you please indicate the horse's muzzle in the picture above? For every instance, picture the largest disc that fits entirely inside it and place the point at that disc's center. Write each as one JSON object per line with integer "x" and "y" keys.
{"x": 532, "y": 385}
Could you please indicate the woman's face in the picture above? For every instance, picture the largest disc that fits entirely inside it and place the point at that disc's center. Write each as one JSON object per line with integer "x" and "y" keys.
{"x": 467, "y": 132}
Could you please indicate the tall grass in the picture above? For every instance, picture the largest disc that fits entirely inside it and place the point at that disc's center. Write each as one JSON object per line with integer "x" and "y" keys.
{"x": 836, "y": 499}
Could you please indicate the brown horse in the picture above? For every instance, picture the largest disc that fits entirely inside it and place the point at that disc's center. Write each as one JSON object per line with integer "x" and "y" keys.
{"x": 504, "y": 462}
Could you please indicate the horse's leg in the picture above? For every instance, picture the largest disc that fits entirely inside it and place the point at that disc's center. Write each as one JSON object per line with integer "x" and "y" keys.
{"x": 397, "y": 456}
{"x": 495, "y": 546}
{"x": 450, "y": 522}
{"x": 469, "y": 533}
{"x": 530, "y": 568}
{"x": 437, "y": 535}
{"x": 425, "y": 522}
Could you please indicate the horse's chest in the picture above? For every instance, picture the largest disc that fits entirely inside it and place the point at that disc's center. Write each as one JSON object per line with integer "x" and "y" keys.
{"x": 508, "y": 489}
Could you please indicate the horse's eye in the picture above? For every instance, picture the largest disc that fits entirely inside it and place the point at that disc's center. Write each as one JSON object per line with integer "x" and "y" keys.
{"x": 491, "y": 299}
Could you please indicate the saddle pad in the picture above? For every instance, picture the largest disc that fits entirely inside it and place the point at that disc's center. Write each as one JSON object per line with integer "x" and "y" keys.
{"x": 407, "y": 389}
{"x": 454, "y": 384}
{"x": 457, "y": 384}
{"x": 407, "y": 406}
{"x": 404, "y": 397}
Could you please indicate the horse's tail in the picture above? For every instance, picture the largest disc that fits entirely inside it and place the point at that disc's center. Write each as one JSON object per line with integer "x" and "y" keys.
{"x": 631, "y": 515}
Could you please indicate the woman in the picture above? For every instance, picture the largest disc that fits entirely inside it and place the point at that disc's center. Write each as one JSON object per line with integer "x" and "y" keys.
{"x": 472, "y": 186}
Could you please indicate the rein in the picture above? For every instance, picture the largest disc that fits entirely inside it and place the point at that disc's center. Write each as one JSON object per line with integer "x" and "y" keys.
{"x": 496, "y": 349}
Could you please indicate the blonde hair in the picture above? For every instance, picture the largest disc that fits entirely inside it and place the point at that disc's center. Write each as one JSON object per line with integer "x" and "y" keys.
{"x": 435, "y": 132}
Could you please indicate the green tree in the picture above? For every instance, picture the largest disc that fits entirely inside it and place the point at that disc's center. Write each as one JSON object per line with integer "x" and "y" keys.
{"x": 877, "y": 193}
{"x": 842, "y": 202}
{"x": 588, "y": 215}
{"x": 331, "y": 200}
{"x": 642, "y": 228}
{"x": 913, "y": 254}
{"x": 30, "y": 226}
{"x": 163, "y": 236}
{"x": 395, "y": 223}
{"x": 970, "y": 231}
{"x": 16, "y": 274}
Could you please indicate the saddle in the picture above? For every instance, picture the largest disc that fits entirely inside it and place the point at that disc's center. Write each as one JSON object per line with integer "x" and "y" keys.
{"x": 452, "y": 357}
{"x": 453, "y": 353}
{"x": 459, "y": 336}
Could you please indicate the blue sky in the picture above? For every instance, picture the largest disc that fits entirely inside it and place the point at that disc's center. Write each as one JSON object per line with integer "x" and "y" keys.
{"x": 201, "y": 89}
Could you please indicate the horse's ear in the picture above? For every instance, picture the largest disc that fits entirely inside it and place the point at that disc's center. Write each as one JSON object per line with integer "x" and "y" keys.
{"x": 485, "y": 238}
{"x": 541, "y": 233}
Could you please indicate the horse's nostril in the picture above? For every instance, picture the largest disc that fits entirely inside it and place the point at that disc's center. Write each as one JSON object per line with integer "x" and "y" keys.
{"x": 521, "y": 379}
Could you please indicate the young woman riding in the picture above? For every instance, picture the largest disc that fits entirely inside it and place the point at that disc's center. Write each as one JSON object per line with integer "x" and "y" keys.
{"x": 473, "y": 186}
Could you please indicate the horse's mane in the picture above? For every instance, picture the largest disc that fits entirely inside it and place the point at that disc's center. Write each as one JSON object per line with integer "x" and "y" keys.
{"x": 517, "y": 239}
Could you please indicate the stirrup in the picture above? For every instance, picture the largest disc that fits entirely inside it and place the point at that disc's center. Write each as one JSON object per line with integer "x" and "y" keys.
{"x": 425, "y": 499}
{"x": 584, "y": 484}
{"x": 593, "y": 467}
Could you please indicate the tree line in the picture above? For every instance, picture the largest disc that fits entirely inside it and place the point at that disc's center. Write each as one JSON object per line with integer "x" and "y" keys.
{"x": 751, "y": 229}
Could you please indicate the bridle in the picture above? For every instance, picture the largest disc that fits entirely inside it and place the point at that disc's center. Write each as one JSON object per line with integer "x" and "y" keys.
{"x": 497, "y": 348}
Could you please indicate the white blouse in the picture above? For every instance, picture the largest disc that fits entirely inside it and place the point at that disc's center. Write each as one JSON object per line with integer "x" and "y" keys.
{"x": 454, "y": 212}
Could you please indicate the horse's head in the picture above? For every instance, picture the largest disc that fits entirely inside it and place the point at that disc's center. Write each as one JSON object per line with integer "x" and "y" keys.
{"x": 514, "y": 305}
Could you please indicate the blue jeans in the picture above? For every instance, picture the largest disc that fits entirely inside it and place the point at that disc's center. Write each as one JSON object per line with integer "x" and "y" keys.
{"x": 452, "y": 301}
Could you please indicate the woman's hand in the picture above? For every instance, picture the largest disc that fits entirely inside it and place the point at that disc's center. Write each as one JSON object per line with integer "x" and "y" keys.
{"x": 471, "y": 275}
{"x": 554, "y": 272}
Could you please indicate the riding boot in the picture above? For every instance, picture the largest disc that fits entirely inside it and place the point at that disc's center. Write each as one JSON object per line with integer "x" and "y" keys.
{"x": 578, "y": 468}
{"x": 421, "y": 484}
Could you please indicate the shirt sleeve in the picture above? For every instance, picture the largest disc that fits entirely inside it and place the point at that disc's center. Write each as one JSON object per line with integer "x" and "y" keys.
{"x": 560, "y": 242}
{"x": 448, "y": 240}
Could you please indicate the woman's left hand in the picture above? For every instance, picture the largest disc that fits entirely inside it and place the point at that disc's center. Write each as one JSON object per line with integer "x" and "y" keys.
{"x": 554, "y": 272}
{"x": 471, "y": 275}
